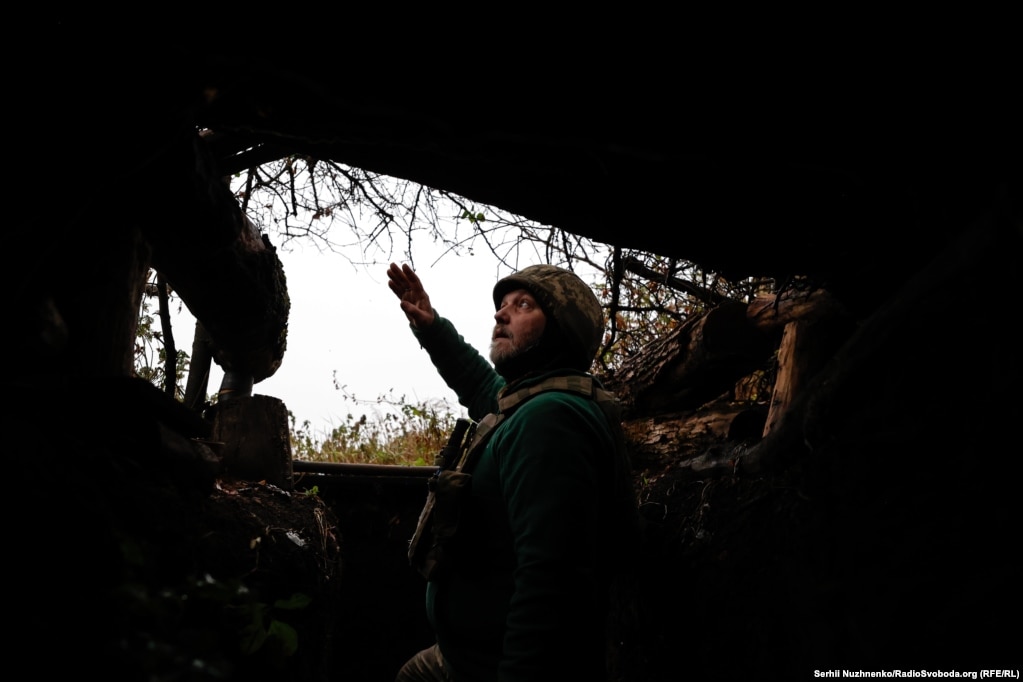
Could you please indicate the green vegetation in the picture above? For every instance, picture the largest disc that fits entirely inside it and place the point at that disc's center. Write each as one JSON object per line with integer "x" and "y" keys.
{"x": 409, "y": 435}
{"x": 151, "y": 352}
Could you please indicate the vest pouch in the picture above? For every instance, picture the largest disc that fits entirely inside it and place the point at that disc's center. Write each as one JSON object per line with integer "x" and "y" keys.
{"x": 438, "y": 522}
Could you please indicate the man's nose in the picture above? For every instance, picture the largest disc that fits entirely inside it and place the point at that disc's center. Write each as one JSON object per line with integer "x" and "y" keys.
{"x": 501, "y": 314}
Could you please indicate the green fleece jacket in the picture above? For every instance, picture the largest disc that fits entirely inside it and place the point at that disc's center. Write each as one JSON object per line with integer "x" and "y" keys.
{"x": 524, "y": 596}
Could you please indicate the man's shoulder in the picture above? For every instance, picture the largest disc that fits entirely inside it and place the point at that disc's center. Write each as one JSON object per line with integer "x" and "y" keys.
{"x": 558, "y": 380}
{"x": 550, "y": 400}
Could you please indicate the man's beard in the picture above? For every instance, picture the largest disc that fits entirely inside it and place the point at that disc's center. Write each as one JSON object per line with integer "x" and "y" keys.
{"x": 512, "y": 348}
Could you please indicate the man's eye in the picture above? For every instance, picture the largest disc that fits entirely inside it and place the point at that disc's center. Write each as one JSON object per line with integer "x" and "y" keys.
{"x": 525, "y": 304}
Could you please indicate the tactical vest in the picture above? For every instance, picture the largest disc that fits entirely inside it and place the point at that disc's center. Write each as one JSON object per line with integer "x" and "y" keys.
{"x": 438, "y": 521}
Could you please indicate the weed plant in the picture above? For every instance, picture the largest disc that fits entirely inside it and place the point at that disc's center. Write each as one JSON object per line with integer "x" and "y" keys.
{"x": 398, "y": 432}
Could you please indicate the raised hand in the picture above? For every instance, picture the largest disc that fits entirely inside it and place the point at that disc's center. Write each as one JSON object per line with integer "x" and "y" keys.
{"x": 415, "y": 302}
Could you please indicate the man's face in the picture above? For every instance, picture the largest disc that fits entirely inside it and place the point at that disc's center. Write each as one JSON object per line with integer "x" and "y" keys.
{"x": 520, "y": 324}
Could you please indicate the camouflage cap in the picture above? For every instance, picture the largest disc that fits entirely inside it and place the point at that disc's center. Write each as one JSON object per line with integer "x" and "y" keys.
{"x": 568, "y": 300}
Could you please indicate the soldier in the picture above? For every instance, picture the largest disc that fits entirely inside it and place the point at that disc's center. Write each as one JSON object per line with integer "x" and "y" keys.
{"x": 518, "y": 580}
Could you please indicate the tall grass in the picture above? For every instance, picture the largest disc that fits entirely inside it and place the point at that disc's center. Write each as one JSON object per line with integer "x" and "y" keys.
{"x": 405, "y": 434}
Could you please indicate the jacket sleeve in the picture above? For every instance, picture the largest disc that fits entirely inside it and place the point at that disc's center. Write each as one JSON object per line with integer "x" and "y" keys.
{"x": 462, "y": 367}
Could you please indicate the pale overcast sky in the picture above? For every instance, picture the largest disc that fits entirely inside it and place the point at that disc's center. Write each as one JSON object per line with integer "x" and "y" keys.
{"x": 345, "y": 322}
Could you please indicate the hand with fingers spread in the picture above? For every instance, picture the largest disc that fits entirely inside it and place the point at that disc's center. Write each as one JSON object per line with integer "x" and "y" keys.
{"x": 415, "y": 302}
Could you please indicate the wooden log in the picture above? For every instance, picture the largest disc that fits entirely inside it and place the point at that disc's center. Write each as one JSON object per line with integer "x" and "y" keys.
{"x": 774, "y": 311}
{"x": 806, "y": 346}
{"x": 225, "y": 271}
{"x": 791, "y": 370}
{"x": 254, "y": 437}
{"x": 686, "y": 435}
{"x": 695, "y": 363}
{"x": 898, "y": 345}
